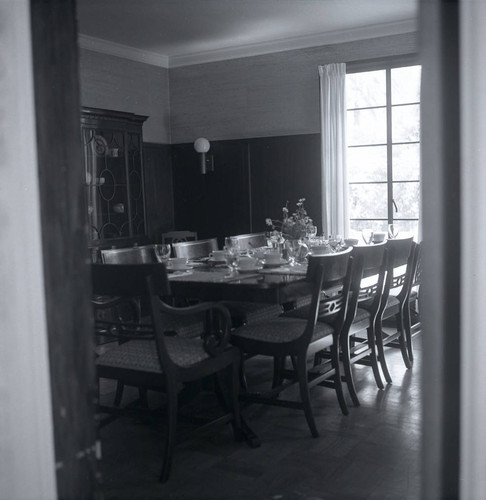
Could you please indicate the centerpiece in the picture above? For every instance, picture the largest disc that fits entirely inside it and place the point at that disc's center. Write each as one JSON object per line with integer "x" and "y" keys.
{"x": 295, "y": 226}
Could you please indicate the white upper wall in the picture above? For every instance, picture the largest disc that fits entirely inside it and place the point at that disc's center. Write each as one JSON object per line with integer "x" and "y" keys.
{"x": 119, "y": 84}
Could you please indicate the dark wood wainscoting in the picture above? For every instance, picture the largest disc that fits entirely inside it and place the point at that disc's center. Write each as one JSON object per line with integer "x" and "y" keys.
{"x": 159, "y": 198}
{"x": 252, "y": 180}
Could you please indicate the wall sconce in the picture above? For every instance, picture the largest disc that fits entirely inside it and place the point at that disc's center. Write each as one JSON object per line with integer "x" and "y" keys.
{"x": 206, "y": 163}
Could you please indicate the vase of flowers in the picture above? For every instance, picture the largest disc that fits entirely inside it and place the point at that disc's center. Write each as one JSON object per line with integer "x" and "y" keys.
{"x": 295, "y": 226}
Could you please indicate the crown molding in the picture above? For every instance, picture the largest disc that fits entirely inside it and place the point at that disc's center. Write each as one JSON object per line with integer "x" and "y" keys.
{"x": 302, "y": 42}
{"x": 124, "y": 51}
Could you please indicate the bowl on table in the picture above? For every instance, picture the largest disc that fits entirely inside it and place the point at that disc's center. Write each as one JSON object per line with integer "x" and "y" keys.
{"x": 351, "y": 242}
{"x": 379, "y": 237}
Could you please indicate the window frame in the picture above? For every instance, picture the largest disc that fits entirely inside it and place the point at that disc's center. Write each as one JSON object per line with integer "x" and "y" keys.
{"x": 386, "y": 64}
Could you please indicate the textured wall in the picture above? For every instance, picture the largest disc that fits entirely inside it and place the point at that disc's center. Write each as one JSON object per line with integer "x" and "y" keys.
{"x": 114, "y": 83}
{"x": 269, "y": 95}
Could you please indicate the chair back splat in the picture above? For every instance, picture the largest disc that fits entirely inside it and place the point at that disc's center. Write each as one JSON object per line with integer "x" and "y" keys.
{"x": 195, "y": 249}
{"x": 162, "y": 359}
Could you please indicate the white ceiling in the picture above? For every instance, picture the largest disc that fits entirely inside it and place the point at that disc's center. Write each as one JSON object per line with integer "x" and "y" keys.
{"x": 178, "y": 32}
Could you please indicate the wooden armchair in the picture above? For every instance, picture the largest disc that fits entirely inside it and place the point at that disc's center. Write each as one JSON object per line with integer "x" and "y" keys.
{"x": 154, "y": 356}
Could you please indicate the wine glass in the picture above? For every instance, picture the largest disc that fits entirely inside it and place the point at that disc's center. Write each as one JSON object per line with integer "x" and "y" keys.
{"x": 162, "y": 252}
{"x": 392, "y": 231}
{"x": 367, "y": 235}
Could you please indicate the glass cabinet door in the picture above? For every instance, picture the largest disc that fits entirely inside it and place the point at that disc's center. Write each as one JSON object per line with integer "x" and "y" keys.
{"x": 114, "y": 175}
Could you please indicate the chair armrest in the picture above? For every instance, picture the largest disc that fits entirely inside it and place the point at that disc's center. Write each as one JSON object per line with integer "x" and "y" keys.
{"x": 215, "y": 340}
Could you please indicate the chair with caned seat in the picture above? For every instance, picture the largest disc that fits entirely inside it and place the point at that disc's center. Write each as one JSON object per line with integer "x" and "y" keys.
{"x": 298, "y": 338}
{"x": 156, "y": 357}
{"x": 178, "y": 236}
{"x": 395, "y": 303}
{"x": 195, "y": 249}
{"x": 357, "y": 341}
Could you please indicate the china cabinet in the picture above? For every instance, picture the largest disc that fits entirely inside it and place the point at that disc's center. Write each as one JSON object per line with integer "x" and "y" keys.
{"x": 113, "y": 166}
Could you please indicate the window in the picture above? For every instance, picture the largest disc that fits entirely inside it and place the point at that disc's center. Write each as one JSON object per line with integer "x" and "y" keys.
{"x": 383, "y": 153}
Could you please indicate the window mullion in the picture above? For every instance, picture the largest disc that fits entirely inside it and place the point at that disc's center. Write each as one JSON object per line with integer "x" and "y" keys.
{"x": 389, "y": 152}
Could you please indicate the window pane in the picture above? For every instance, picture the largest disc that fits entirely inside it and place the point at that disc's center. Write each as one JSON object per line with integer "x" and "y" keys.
{"x": 367, "y": 201}
{"x": 407, "y": 228}
{"x": 366, "y": 164}
{"x": 356, "y": 226}
{"x": 406, "y": 162}
{"x": 364, "y": 90}
{"x": 405, "y": 84}
{"x": 407, "y": 199}
{"x": 366, "y": 126}
{"x": 406, "y": 123}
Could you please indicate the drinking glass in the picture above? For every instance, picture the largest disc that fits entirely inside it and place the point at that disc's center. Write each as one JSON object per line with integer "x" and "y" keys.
{"x": 335, "y": 242}
{"x": 231, "y": 255}
{"x": 162, "y": 252}
{"x": 367, "y": 235}
{"x": 392, "y": 231}
{"x": 293, "y": 249}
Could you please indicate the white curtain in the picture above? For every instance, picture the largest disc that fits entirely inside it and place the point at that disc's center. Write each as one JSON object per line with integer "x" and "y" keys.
{"x": 333, "y": 149}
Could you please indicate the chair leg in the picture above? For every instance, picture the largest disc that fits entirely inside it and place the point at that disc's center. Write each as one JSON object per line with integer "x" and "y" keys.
{"x": 338, "y": 386}
{"x": 235, "y": 403}
{"x": 118, "y": 394}
{"x": 402, "y": 339}
{"x": 381, "y": 351}
{"x": 301, "y": 366}
{"x": 242, "y": 375}
{"x": 348, "y": 373}
{"x": 171, "y": 432}
{"x": 373, "y": 360}
{"x": 408, "y": 331}
{"x": 278, "y": 364}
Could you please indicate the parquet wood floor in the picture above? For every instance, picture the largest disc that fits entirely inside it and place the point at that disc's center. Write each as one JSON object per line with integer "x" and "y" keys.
{"x": 373, "y": 453}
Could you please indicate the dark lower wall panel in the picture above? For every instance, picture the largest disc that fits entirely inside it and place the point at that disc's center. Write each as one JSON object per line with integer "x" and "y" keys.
{"x": 159, "y": 198}
{"x": 285, "y": 169}
{"x": 252, "y": 180}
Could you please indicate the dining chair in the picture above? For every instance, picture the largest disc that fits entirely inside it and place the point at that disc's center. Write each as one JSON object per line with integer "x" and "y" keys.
{"x": 195, "y": 249}
{"x": 157, "y": 357}
{"x": 298, "y": 338}
{"x": 252, "y": 240}
{"x": 414, "y": 300}
{"x": 395, "y": 303}
{"x": 132, "y": 255}
{"x": 178, "y": 236}
{"x": 358, "y": 339}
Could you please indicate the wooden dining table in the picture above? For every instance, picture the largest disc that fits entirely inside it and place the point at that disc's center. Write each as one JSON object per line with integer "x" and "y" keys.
{"x": 277, "y": 285}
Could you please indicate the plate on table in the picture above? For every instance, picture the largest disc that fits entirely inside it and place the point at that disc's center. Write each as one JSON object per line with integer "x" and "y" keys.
{"x": 216, "y": 262}
{"x": 281, "y": 262}
{"x": 171, "y": 269}
{"x": 252, "y": 269}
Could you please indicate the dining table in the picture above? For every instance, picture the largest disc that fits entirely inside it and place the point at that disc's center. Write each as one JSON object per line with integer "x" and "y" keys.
{"x": 280, "y": 284}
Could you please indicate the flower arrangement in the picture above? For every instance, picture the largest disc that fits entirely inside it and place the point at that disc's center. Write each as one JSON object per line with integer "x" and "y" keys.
{"x": 294, "y": 226}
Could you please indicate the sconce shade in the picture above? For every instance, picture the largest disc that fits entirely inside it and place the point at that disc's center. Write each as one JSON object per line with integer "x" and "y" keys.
{"x": 201, "y": 145}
